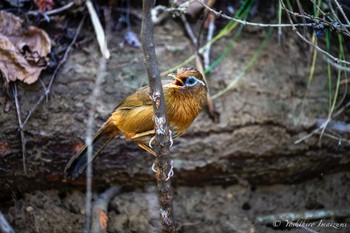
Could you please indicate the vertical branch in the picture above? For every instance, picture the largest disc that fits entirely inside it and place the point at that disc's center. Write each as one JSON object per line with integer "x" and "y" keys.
{"x": 162, "y": 135}
{"x": 101, "y": 72}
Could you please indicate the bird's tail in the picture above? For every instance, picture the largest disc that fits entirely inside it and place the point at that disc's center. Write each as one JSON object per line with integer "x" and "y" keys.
{"x": 78, "y": 163}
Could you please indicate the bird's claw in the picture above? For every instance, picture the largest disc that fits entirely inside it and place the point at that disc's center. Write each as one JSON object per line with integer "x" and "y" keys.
{"x": 171, "y": 170}
{"x": 154, "y": 167}
{"x": 150, "y": 142}
{"x": 171, "y": 140}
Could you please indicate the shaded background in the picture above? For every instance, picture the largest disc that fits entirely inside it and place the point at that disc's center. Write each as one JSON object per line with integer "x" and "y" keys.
{"x": 226, "y": 173}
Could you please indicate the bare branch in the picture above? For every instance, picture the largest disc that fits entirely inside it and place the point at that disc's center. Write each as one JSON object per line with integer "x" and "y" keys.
{"x": 101, "y": 72}
{"x": 54, "y": 11}
{"x": 4, "y": 225}
{"x": 340, "y": 8}
{"x": 189, "y": 30}
{"x": 162, "y": 133}
{"x": 337, "y": 60}
{"x": 220, "y": 14}
{"x": 210, "y": 35}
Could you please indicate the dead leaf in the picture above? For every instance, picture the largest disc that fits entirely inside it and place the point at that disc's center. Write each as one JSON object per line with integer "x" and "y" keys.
{"x": 23, "y": 51}
{"x": 44, "y": 5}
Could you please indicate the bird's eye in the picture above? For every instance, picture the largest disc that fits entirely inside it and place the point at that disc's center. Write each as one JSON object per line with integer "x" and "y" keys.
{"x": 191, "y": 81}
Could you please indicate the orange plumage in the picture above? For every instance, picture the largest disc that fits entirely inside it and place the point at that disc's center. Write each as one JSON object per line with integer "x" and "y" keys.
{"x": 133, "y": 117}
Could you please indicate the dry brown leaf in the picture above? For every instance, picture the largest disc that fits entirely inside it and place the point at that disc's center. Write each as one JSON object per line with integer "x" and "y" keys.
{"x": 14, "y": 66}
{"x": 23, "y": 51}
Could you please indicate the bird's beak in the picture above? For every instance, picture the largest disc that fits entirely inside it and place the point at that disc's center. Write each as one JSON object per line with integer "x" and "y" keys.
{"x": 172, "y": 85}
{"x": 176, "y": 82}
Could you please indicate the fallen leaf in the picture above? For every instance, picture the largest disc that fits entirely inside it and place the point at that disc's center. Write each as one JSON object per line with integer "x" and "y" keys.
{"x": 23, "y": 51}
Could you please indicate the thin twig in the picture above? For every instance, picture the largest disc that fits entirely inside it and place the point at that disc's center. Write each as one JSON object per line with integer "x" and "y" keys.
{"x": 301, "y": 9}
{"x": 5, "y": 227}
{"x": 307, "y": 136}
{"x": 337, "y": 66}
{"x": 334, "y": 13}
{"x": 162, "y": 134}
{"x": 20, "y": 124}
{"x": 54, "y": 11}
{"x": 101, "y": 72}
{"x": 339, "y": 126}
{"x": 322, "y": 125}
{"x": 211, "y": 107}
{"x": 318, "y": 21}
{"x": 279, "y": 31}
{"x": 213, "y": 113}
{"x": 189, "y": 30}
{"x": 206, "y": 53}
{"x": 317, "y": 7}
{"x": 310, "y": 43}
{"x": 315, "y": 20}
{"x": 100, "y": 35}
{"x": 244, "y": 22}
{"x": 340, "y": 8}
{"x": 341, "y": 110}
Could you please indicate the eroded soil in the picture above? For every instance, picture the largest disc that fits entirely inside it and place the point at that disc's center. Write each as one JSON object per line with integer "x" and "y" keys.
{"x": 197, "y": 209}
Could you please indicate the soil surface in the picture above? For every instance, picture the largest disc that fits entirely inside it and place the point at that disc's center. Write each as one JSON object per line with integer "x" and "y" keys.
{"x": 217, "y": 208}
{"x": 226, "y": 174}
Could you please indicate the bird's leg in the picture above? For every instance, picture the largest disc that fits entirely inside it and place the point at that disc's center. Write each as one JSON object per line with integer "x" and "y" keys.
{"x": 146, "y": 148}
{"x": 171, "y": 171}
{"x": 154, "y": 167}
{"x": 150, "y": 142}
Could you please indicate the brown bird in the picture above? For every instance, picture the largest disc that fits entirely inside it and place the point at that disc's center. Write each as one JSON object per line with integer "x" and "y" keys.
{"x": 133, "y": 117}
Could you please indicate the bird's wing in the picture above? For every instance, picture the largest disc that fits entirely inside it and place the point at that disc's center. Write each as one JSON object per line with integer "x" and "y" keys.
{"x": 134, "y": 114}
{"x": 138, "y": 99}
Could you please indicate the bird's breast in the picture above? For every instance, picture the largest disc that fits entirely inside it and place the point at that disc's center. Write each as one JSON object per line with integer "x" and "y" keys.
{"x": 182, "y": 108}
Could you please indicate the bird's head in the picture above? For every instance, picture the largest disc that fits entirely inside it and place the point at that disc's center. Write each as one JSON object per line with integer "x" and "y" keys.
{"x": 188, "y": 79}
